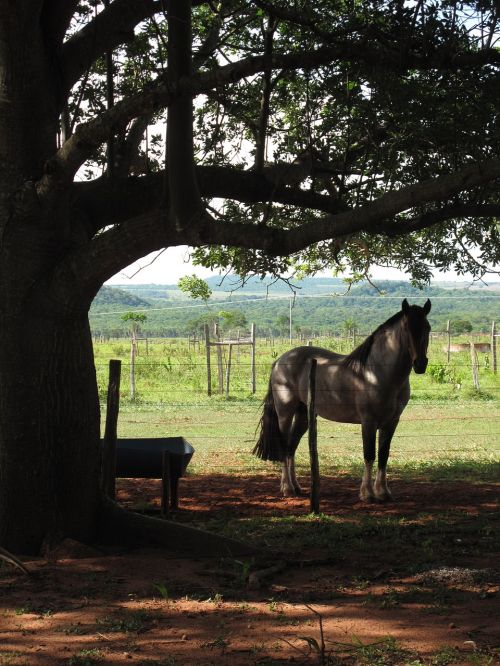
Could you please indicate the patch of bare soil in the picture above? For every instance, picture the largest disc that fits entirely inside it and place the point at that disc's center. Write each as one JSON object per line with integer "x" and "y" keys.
{"x": 150, "y": 606}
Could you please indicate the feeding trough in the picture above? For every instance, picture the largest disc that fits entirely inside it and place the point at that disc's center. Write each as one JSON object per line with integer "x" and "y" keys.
{"x": 146, "y": 458}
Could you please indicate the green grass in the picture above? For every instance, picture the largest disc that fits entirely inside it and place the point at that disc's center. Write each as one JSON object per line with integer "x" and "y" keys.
{"x": 175, "y": 374}
{"x": 448, "y": 431}
{"x": 432, "y": 441}
{"x": 424, "y": 542}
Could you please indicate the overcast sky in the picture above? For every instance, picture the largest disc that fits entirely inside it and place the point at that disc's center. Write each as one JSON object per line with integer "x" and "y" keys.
{"x": 174, "y": 262}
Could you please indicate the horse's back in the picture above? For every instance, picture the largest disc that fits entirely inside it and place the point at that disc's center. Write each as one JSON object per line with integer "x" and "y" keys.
{"x": 291, "y": 367}
{"x": 342, "y": 393}
{"x": 290, "y": 375}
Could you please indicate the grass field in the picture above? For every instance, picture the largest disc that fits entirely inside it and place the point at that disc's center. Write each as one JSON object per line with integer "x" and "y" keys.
{"x": 449, "y": 428}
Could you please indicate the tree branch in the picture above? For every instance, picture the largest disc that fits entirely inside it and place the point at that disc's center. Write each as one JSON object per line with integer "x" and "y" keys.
{"x": 89, "y": 266}
{"x": 110, "y": 28}
{"x": 107, "y": 203}
{"x": 185, "y": 200}
{"x": 127, "y": 148}
{"x": 56, "y": 18}
{"x": 430, "y": 218}
{"x": 260, "y": 148}
{"x": 89, "y": 136}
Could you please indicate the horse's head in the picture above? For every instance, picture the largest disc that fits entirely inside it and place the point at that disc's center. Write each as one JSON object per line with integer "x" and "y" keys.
{"x": 418, "y": 328}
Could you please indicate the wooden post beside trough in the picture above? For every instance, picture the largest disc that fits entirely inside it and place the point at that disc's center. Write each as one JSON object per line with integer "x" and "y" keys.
{"x": 108, "y": 463}
{"x": 313, "y": 439}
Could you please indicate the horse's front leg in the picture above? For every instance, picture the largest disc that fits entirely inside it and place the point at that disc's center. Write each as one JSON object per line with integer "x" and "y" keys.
{"x": 369, "y": 432}
{"x": 382, "y": 492}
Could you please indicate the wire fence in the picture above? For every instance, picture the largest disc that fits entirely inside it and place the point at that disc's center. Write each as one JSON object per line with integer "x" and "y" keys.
{"x": 448, "y": 421}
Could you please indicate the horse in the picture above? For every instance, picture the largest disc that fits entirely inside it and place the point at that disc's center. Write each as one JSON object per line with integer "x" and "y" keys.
{"x": 369, "y": 386}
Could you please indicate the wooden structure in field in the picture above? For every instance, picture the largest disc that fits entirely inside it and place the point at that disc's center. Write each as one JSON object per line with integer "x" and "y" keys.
{"x": 219, "y": 344}
{"x": 474, "y": 347}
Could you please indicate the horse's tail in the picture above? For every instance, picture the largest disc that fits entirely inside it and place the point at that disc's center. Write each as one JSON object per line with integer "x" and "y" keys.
{"x": 270, "y": 444}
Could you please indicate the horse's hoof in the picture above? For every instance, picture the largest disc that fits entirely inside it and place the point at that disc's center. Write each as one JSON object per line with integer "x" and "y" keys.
{"x": 384, "y": 496}
{"x": 287, "y": 492}
{"x": 367, "y": 499}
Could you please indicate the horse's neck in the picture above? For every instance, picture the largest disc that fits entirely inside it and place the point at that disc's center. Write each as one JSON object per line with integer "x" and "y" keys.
{"x": 390, "y": 357}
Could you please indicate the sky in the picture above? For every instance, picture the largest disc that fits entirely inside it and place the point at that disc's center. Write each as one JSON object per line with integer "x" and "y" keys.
{"x": 174, "y": 263}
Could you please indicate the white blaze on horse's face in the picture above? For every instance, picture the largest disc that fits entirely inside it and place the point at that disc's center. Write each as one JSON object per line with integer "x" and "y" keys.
{"x": 418, "y": 329}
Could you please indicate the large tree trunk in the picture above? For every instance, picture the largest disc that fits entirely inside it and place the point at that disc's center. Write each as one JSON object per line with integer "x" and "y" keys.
{"x": 49, "y": 410}
{"x": 49, "y": 429}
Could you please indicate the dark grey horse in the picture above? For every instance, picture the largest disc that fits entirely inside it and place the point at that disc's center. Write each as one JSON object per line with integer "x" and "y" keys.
{"x": 369, "y": 386}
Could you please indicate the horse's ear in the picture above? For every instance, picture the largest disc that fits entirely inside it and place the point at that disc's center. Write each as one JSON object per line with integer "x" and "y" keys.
{"x": 427, "y": 306}
{"x": 405, "y": 306}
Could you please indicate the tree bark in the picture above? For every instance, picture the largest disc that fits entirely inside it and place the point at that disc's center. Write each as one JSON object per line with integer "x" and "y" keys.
{"x": 49, "y": 429}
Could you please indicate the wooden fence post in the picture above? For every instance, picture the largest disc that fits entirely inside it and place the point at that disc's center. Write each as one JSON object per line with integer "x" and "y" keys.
{"x": 133, "y": 354}
{"x": 209, "y": 371}
{"x": 313, "y": 439}
{"x": 220, "y": 367}
{"x": 108, "y": 462}
{"x": 252, "y": 361}
{"x": 228, "y": 369}
{"x": 474, "y": 365}
{"x": 493, "y": 348}
{"x": 448, "y": 332}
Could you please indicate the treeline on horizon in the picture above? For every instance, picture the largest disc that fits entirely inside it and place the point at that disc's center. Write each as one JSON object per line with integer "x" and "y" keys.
{"x": 322, "y": 306}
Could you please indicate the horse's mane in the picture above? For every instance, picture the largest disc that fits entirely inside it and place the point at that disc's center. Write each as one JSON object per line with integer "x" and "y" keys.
{"x": 357, "y": 359}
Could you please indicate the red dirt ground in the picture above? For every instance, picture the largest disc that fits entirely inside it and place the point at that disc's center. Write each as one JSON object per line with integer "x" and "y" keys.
{"x": 150, "y": 606}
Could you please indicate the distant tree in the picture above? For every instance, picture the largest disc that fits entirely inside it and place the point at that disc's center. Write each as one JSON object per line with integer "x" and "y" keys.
{"x": 459, "y": 326}
{"x": 135, "y": 319}
{"x": 282, "y": 323}
{"x": 350, "y": 326}
{"x": 196, "y": 325}
{"x": 232, "y": 319}
{"x": 195, "y": 287}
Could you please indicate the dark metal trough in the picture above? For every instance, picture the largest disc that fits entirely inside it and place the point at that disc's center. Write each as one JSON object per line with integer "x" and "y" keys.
{"x": 142, "y": 458}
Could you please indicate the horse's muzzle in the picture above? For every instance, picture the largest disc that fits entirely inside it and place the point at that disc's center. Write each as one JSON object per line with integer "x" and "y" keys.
{"x": 420, "y": 365}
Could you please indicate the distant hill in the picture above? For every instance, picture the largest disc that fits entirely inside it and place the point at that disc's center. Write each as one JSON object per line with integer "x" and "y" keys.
{"x": 321, "y": 305}
{"x": 113, "y": 298}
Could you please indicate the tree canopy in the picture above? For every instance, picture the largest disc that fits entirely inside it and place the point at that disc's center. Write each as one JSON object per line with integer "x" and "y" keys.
{"x": 344, "y": 134}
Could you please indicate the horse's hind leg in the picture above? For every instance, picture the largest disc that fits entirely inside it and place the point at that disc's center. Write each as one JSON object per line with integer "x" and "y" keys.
{"x": 295, "y": 426}
{"x": 382, "y": 492}
{"x": 366, "y": 493}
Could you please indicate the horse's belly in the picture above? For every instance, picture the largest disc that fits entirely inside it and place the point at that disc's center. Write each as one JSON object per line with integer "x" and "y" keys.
{"x": 360, "y": 409}
{"x": 342, "y": 412}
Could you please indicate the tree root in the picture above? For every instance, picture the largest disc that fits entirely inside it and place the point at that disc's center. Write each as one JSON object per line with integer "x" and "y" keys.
{"x": 12, "y": 559}
{"x": 117, "y": 525}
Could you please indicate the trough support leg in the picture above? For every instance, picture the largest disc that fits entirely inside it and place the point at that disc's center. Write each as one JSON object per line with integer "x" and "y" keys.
{"x": 174, "y": 492}
{"x": 166, "y": 483}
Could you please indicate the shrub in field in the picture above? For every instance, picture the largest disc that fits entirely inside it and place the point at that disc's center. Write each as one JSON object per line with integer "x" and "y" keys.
{"x": 444, "y": 374}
